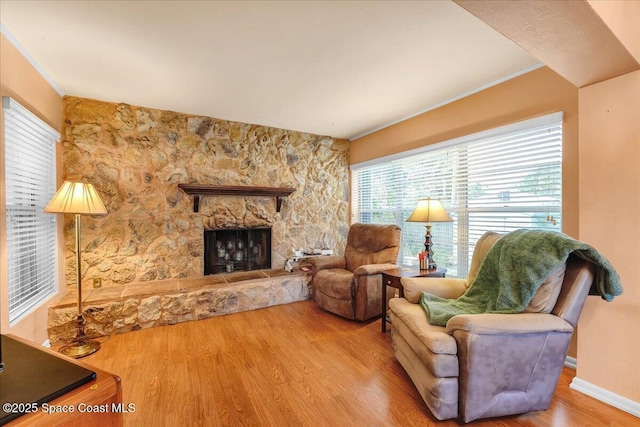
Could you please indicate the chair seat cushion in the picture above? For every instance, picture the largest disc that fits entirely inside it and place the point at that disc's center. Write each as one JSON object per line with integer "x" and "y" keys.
{"x": 334, "y": 282}
{"x": 432, "y": 345}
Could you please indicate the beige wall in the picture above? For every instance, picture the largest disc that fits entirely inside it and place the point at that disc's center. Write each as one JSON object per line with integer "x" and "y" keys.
{"x": 610, "y": 212}
{"x": 19, "y": 80}
{"x": 534, "y": 94}
{"x": 610, "y": 221}
{"x": 622, "y": 17}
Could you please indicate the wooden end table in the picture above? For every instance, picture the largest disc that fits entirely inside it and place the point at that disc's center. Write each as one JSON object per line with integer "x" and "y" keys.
{"x": 102, "y": 394}
{"x": 392, "y": 278}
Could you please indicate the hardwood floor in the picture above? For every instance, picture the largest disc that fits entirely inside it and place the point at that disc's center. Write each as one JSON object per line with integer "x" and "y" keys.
{"x": 291, "y": 365}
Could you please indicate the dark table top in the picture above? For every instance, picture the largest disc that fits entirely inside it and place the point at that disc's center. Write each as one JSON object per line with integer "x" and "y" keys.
{"x": 414, "y": 271}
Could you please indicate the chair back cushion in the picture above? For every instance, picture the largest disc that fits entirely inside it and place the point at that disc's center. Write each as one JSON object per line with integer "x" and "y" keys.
{"x": 483, "y": 245}
{"x": 371, "y": 244}
{"x": 578, "y": 278}
{"x": 547, "y": 294}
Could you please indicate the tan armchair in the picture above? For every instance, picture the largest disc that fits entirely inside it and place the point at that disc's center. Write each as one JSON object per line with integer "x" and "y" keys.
{"x": 351, "y": 285}
{"x": 489, "y": 365}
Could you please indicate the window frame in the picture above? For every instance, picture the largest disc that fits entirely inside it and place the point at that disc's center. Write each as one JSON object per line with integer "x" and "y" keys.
{"x": 456, "y": 241}
{"x": 32, "y": 267}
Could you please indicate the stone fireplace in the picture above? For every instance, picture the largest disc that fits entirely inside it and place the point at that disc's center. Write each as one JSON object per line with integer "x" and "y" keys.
{"x": 229, "y": 250}
{"x": 148, "y": 252}
{"x": 137, "y": 159}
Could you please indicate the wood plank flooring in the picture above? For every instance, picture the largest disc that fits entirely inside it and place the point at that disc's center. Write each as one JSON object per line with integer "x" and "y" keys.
{"x": 292, "y": 365}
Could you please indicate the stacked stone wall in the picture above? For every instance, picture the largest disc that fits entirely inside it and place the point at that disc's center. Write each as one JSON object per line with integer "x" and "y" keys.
{"x": 136, "y": 157}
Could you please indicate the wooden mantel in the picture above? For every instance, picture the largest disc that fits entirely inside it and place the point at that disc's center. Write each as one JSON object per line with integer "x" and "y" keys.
{"x": 234, "y": 190}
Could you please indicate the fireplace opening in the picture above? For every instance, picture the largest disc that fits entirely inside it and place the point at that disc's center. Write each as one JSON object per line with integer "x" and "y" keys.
{"x": 237, "y": 250}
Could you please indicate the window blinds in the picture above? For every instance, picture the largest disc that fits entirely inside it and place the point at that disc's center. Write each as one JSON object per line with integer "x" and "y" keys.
{"x": 30, "y": 178}
{"x": 500, "y": 180}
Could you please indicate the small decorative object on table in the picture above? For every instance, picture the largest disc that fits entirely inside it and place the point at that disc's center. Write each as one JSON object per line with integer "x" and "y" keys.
{"x": 300, "y": 254}
{"x": 423, "y": 260}
{"x": 288, "y": 265}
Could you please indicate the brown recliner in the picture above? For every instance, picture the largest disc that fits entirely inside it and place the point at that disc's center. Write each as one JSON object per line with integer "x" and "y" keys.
{"x": 351, "y": 285}
{"x": 489, "y": 365}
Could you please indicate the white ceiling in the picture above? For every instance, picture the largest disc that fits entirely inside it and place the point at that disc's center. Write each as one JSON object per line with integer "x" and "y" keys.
{"x": 338, "y": 68}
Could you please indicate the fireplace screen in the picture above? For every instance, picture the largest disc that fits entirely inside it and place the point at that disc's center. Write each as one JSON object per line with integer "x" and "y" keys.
{"x": 237, "y": 250}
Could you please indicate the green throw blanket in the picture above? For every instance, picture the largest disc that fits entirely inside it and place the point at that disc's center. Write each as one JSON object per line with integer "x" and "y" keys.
{"x": 513, "y": 270}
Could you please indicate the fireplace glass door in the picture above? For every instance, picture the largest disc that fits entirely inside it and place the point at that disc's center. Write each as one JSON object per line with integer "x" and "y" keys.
{"x": 231, "y": 250}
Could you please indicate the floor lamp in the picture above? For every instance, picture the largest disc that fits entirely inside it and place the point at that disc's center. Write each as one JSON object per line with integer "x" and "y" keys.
{"x": 80, "y": 199}
{"x": 429, "y": 210}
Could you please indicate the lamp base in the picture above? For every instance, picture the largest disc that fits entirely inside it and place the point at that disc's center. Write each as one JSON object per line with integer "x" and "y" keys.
{"x": 80, "y": 348}
{"x": 428, "y": 244}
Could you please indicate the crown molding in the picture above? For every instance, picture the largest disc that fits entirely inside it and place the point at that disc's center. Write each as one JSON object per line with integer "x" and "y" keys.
{"x": 29, "y": 58}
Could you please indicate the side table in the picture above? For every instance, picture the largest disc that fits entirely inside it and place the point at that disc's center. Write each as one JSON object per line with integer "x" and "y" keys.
{"x": 97, "y": 403}
{"x": 392, "y": 278}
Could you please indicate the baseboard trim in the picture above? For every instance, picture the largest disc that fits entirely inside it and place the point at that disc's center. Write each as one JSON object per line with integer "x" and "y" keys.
{"x": 570, "y": 362}
{"x": 606, "y": 396}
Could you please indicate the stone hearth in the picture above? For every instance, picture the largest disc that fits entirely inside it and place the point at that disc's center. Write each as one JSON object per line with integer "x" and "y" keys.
{"x": 118, "y": 309}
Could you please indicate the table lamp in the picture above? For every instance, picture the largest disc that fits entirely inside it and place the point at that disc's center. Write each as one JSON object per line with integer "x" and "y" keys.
{"x": 80, "y": 199}
{"x": 429, "y": 210}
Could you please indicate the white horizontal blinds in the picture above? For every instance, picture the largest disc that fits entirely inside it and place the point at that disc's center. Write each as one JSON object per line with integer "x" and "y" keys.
{"x": 380, "y": 192}
{"x": 515, "y": 181}
{"x": 30, "y": 184}
{"x": 387, "y": 193}
{"x": 428, "y": 175}
{"x": 500, "y": 180}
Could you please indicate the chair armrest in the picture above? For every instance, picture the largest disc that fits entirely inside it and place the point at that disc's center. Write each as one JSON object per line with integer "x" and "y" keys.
{"x": 325, "y": 262}
{"x": 497, "y": 324}
{"x": 509, "y": 363}
{"x": 371, "y": 269}
{"x": 444, "y": 287}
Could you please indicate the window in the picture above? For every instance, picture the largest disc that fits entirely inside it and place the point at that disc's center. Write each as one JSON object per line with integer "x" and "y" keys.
{"x": 499, "y": 180}
{"x": 30, "y": 180}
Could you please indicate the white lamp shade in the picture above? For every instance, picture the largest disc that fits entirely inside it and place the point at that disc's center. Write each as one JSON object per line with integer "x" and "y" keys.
{"x": 429, "y": 210}
{"x": 76, "y": 198}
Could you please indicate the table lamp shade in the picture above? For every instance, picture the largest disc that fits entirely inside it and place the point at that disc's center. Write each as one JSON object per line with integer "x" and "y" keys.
{"x": 76, "y": 198}
{"x": 429, "y": 210}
